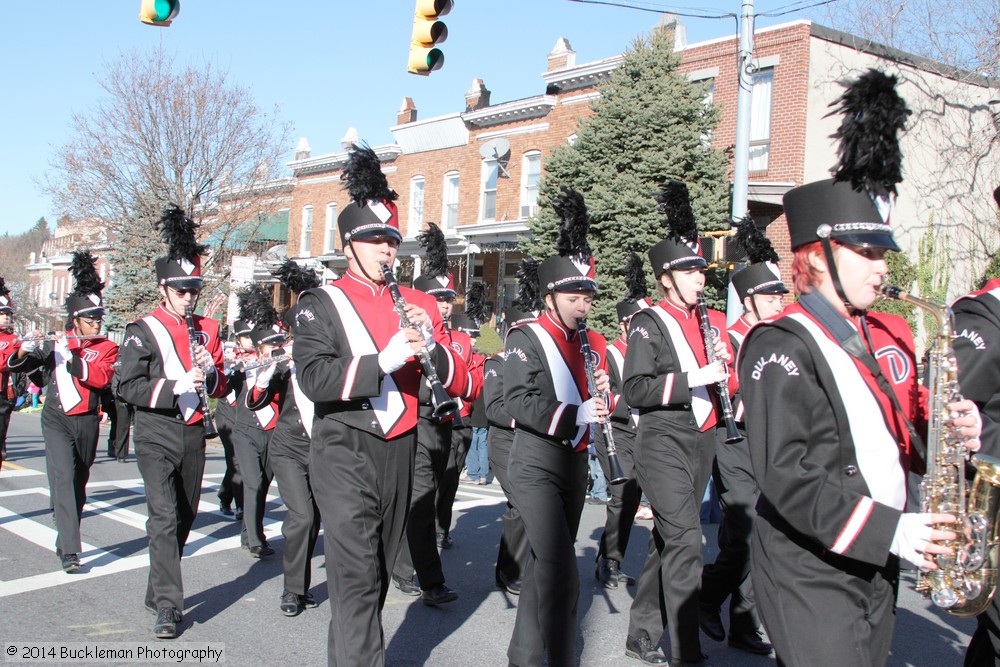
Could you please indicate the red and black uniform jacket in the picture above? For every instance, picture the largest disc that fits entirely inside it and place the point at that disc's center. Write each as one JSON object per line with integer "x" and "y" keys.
{"x": 265, "y": 402}
{"x": 339, "y": 330}
{"x": 737, "y": 332}
{"x": 73, "y": 387}
{"x": 829, "y": 451}
{"x": 544, "y": 380}
{"x": 977, "y": 351}
{"x": 156, "y": 353}
{"x": 496, "y": 412}
{"x": 9, "y": 345}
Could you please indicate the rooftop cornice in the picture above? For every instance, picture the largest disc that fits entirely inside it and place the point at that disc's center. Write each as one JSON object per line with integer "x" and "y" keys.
{"x": 508, "y": 112}
{"x": 582, "y": 76}
{"x": 334, "y": 161}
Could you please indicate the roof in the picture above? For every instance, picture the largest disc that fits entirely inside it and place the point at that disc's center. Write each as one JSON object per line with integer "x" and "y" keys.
{"x": 274, "y": 229}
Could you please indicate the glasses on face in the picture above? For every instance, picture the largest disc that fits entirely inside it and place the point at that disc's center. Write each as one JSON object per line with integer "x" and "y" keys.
{"x": 181, "y": 291}
{"x": 92, "y": 322}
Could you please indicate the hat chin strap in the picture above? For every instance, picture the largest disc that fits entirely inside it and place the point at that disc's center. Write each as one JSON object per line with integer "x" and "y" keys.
{"x": 677, "y": 291}
{"x": 834, "y": 274}
{"x": 753, "y": 307}
{"x": 360, "y": 267}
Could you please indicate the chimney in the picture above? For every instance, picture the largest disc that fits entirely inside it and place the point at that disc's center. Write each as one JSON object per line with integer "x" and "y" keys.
{"x": 562, "y": 55}
{"x": 302, "y": 151}
{"x": 672, "y": 24}
{"x": 407, "y": 112}
{"x": 349, "y": 139}
{"x": 477, "y": 97}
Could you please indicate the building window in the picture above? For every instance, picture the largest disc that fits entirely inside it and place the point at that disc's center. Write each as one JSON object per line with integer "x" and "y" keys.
{"x": 416, "y": 204}
{"x": 305, "y": 241}
{"x": 530, "y": 174}
{"x": 760, "y": 119}
{"x": 491, "y": 172}
{"x": 331, "y": 227}
{"x": 449, "y": 202}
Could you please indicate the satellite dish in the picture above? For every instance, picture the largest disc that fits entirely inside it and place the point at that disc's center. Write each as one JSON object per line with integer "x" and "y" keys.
{"x": 499, "y": 150}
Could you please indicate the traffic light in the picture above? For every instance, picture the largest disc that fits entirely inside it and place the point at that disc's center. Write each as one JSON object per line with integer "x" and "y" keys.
{"x": 159, "y": 12}
{"x": 427, "y": 33}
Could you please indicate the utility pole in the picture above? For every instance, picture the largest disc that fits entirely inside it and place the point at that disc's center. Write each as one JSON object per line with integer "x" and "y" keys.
{"x": 741, "y": 156}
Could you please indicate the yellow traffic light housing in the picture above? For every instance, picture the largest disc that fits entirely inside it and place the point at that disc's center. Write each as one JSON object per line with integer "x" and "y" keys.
{"x": 159, "y": 12}
{"x": 428, "y": 32}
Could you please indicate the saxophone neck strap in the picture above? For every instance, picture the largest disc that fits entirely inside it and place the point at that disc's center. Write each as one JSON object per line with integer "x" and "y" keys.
{"x": 850, "y": 340}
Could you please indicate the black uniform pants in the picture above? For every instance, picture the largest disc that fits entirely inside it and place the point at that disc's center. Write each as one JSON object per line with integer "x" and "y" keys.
{"x": 418, "y": 549}
{"x": 70, "y": 448}
{"x": 984, "y": 649}
{"x": 461, "y": 440}
{"x": 171, "y": 459}
{"x": 624, "y": 497}
{"x": 551, "y": 480}
{"x": 729, "y": 575}
{"x": 514, "y": 551}
{"x": 674, "y": 460}
{"x": 290, "y": 462}
{"x": 120, "y": 420}
{"x": 818, "y": 607}
{"x": 231, "y": 487}
{"x": 6, "y": 407}
{"x": 251, "y": 449}
{"x": 362, "y": 488}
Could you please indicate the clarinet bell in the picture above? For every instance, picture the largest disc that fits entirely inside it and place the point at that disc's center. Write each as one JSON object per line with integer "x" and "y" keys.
{"x": 615, "y": 468}
{"x": 443, "y": 404}
{"x": 733, "y": 434}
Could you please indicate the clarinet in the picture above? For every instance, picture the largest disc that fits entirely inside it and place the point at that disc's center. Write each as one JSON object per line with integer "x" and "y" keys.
{"x": 614, "y": 466}
{"x": 210, "y": 430}
{"x": 442, "y": 402}
{"x": 722, "y": 387}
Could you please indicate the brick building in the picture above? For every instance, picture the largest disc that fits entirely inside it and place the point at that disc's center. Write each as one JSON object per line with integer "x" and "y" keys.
{"x": 475, "y": 172}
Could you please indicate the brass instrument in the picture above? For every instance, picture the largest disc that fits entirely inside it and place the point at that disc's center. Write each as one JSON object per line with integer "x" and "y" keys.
{"x": 209, "y": 422}
{"x": 443, "y": 403}
{"x": 614, "y": 466}
{"x": 733, "y": 434}
{"x": 965, "y": 581}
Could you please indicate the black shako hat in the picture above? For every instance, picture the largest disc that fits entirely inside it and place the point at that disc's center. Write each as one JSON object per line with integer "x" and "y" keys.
{"x": 475, "y": 311}
{"x": 853, "y": 206}
{"x": 242, "y": 328}
{"x": 257, "y": 310}
{"x": 85, "y": 299}
{"x": 436, "y": 278}
{"x": 372, "y": 212}
{"x": 528, "y": 302}
{"x": 462, "y": 322}
{"x": 637, "y": 294}
{"x": 297, "y": 279}
{"x": 762, "y": 276}
{"x": 572, "y": 268}
{"x": 181, "y": 267}
{"x": 6, "y": 304}
{"x": 681, "y": 249}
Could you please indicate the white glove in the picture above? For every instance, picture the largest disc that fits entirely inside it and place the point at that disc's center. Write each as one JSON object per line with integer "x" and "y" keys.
{"x": 62, "y": 351}
{"x": 428, "y": 333}
{"x": 264, "y": 376}
{"x": 913, "y": 532}
{"x": 396, "y": 353}
{"x": 186, "y": 384}
{"x": 706, "y": 375}
{"x": 587, "y": 413}
{"x": 29, "y": 345}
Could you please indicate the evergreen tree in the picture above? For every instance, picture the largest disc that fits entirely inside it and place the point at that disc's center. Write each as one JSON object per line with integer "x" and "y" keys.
{"x": 650, "y": 124}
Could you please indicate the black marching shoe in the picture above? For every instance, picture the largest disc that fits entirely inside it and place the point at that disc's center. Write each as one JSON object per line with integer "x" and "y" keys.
{"x": 711, "y": 623}
{"x": 406, "y": 586}
{"x": 751, "y": 642}
{"x": 70, "y": 563}
{"x": 167, "y": 619}
{"x": 512, "y": 587}
{"x": 609, "y": 573}
{"x": 677, "y": 662}
{"x": 308, "y": 602}
{"x": 444, "y": 541}
{"x": 642, "y": 648}
{"x": 225, "y": 509}
{"x": 436, "y": 595}
{"x": 239, "y": 514}
{"x": 263, "y": 551}
{"x": 290, "y": 605}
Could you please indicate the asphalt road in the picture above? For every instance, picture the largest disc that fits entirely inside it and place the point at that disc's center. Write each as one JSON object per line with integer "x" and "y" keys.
{"x": 232, "y": 600}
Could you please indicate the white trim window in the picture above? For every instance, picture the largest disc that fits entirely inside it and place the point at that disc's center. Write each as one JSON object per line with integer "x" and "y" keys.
{"x": 330, "y": 236}
{"x": 488, "y": 202}
{"x": 305, "y": 240}
{"x": 416, "y": 219}
{"x": 760, "y": 119}
{"x": 531, "y": 173}
{"x": 449, "y": 201}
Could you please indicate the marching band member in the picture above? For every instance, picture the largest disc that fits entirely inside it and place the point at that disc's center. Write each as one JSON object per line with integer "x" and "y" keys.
{"x": 624, "y": 497}
{"x": 75, "y": 370}
{"x": 759, "y": 289}
{"x": 831, "y": 399}
{"x": 357, "y": 365}
{"x": 9, "y": 345}
{"x": 163, "y": 372}
{"x": 546, "y": 392}
{"x": 236, "y": 354}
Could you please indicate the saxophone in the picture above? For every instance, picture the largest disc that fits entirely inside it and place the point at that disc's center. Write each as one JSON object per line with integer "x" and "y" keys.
{"x": 965, "y": 580}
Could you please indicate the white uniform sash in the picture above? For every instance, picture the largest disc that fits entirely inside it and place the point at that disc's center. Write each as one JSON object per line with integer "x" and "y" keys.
{"x": 560, "y": 374}
{"x": 701, "y": 401}
{"x": 173, "y": 368}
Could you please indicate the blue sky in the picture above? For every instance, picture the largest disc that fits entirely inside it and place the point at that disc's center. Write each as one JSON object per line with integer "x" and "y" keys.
{"x": 326, "y": 65}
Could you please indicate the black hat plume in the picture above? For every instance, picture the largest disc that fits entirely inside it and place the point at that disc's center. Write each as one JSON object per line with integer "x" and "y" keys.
{"x": 296, "y": 278}
{"x": 436, "y": 251}
{"x": 574, "y": 224}
{"x": 757, "y": 246}
{"x": 475, "y": 302}
{"x": 675, "y": 204}
{"x": 874, "y": 115}
{"x": 180, "y": 234}
{"x": 528, "y": 299}
{"x": 84, "y": 269}
{"x": 257, "y": 306}
{"x": 4, "y": 290}
{"x": 635, "y": 279}
{"x": 363, "y": 177}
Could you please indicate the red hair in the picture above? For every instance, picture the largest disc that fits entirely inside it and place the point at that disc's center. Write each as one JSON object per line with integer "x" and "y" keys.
{"x": 804, "y": 274}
